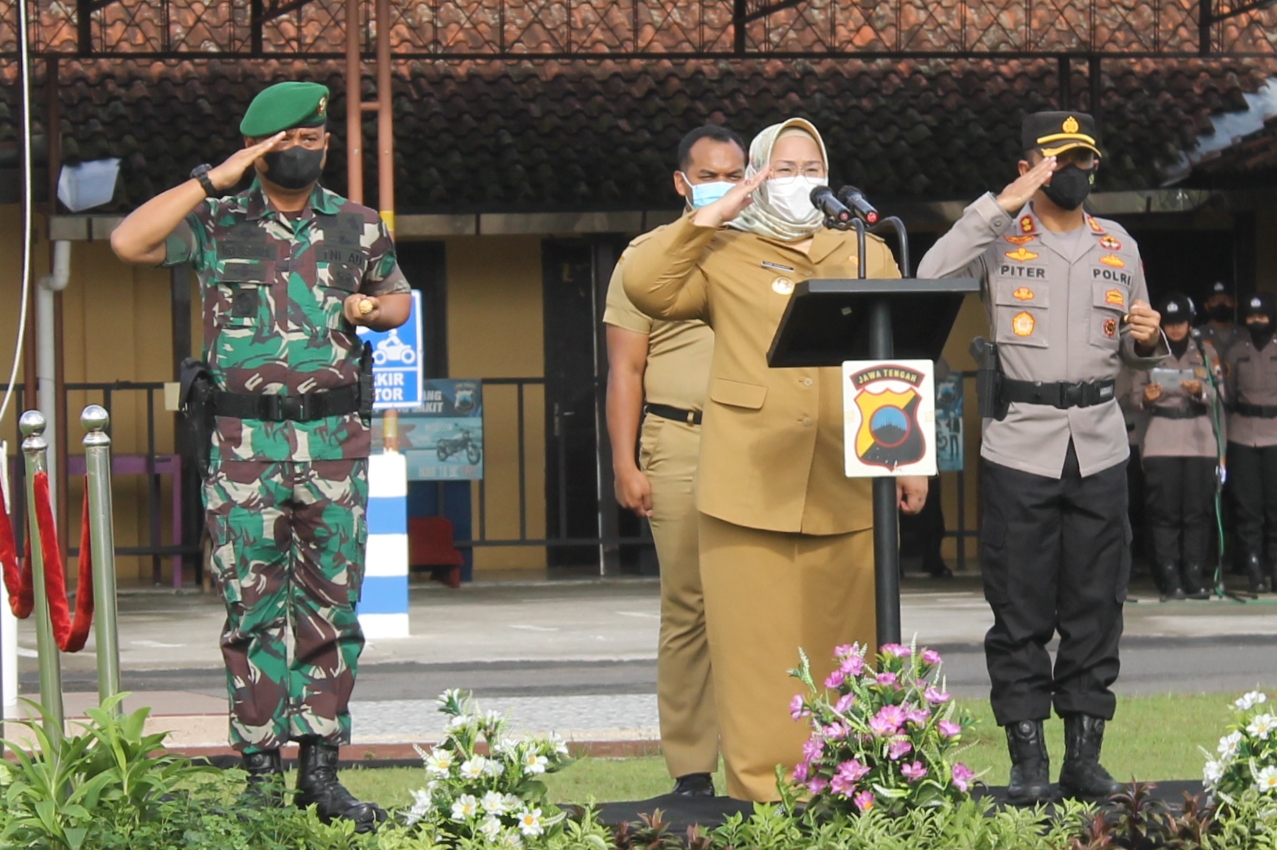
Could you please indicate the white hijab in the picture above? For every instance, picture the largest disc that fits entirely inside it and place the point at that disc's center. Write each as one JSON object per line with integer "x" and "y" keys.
{"x": 761, "y": 217}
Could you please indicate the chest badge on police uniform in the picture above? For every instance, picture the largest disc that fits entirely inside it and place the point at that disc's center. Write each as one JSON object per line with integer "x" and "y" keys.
{"x": 1023, "y": 294}
{"x": 1109, "y": 243}
{"x": 782, "y": 286}
{"x": 1113, "y": 260}
{"x": 1110, "y": 328}
{"x": 1020, "y": 240}
{"x": 1027, "y": 225}
{"x": 1023, "y": 324}
{"x": 1021, "y": 255}
{"x": 1115, "y": 297}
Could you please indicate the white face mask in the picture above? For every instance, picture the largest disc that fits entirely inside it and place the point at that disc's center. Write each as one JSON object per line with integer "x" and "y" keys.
{"x": 790, "y": 197}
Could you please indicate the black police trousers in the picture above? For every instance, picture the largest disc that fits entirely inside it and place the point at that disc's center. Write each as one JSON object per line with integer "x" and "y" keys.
{"x": 1253, "y": 473}
{"x": 1181, "y": 508}
{"x": 1055, "y": 556}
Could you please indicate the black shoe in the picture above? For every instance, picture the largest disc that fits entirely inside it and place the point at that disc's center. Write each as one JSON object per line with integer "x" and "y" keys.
{"x": 1193, "y": 586}
{"x": 1082, "y": 776}
{"x": 694, "y": 785}
{"x": 938, "y": 569}
{"x": 265, "y": 779}
{"x": 1030, "y": 765}
{"x": 317, "y": 784}
{"x": 1255, "y": 574}
{"x": 1168, "y": 579}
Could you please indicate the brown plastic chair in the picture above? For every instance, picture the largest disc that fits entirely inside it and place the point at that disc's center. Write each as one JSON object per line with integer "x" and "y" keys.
{"x": 430, "y": 546}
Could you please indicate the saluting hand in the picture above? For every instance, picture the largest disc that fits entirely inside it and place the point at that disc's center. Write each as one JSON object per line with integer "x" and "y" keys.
{"x": 1021, "y": 190}
{"x": 1145, "y": 322}
{"x": 226, "y": 175}
{"x": 730, "y": 205}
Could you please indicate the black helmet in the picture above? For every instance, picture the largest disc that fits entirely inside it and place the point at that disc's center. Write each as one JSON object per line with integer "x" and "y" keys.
{"x": 1176, "y": 308}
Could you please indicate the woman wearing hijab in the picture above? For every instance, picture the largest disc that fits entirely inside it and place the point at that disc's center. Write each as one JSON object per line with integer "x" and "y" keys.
{"x": 786, "y": 541}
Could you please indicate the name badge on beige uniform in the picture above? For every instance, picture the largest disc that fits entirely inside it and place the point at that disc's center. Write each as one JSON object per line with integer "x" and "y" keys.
{"x": 889, "y": 418}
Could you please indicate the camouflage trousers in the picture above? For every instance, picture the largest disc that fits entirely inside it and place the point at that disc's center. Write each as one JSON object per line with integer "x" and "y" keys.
{"x": 288, "y": 552}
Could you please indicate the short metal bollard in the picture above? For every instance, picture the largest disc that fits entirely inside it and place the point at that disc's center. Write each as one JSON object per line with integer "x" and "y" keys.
{"x": 35, "y": 448}
{"x": 97, "y": 464}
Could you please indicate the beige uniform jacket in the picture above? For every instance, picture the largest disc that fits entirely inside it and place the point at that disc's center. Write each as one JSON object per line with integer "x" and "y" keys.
{"x": 1055, "y": 307}
{"x": 1252, "y": 378}
{"x": 1194, "y": 437}
{"x": 772, "y": 439}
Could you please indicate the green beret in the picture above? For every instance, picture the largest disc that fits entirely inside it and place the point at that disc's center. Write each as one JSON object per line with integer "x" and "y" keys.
{"x": 284, "y": 106}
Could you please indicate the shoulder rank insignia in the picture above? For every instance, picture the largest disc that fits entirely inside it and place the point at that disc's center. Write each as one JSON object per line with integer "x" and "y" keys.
{"x": 1095, "y": 225}
{"x": 1027, "y": 225}
{"x": 1021, "y": 240}
{"x": 1115, "y": 297}
{"x": 1022, "y": 255}
{"x": 1023, "y": 324}
{"x": 1113, "y": 260}
{"x": 1023, "y": 294}
{"x": 1109, "y": 243}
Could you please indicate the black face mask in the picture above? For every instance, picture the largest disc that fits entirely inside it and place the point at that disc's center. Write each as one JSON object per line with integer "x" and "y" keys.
{"x": 1220, "y": 313}
{"x": 1260, "y": 333}
{"x": 1069, "y": 186}
{"x": 294, "y": 168}
{"x": 1177, "y": 348}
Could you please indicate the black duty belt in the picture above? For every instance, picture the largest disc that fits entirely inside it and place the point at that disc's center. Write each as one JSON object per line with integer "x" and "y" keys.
{"x": 691, "y": 417}
{"x": 1176, "y": 412}
{"x": 1062, "y": 395}
{"x": 1258, "y": 411}
{"x": 306, "y": 407}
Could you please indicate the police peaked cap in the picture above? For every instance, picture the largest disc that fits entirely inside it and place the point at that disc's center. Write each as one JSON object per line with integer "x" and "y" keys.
{"x": 284, "y": 106}
{"x": 1176, "y": 308}
{"x": 1053, "y": 133}
{"x": 1261, "y": 303}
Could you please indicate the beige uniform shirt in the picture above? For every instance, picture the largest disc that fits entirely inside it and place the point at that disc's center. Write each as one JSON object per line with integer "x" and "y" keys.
{"x": 1252, "y": 378}
{"x": 1167, "y": 437}
{"x": 678, "y": 353}
{"x": 772, "y": 439}
{"x": 1055, "y": 305}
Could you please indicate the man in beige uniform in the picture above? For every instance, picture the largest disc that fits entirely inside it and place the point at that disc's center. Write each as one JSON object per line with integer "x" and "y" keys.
{"x": 657, "y": 373}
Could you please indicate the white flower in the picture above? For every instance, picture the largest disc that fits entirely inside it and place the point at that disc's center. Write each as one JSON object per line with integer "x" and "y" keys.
{"x": 1248, "y": 701}
{"x": 492, "y": 767}
{"x": 512, "y": 802}
{"x": 492, "y": 718}
{"x": 530, "y": 822}
{"x": 465, "y": 807}
{"x": 560, "y": 746}
{"x": 1229, "y": 744}
{"x": 420, "y": 806}
{"x": 473, "y": 768}
{"x": 439, "y": 762}
{"x": 1266, "y": 780}
{"x": 534, "y": 763}
{"x": 451, "y": 695}
{"x": 494, "y": 803}
{"x": 511, "y": 838}
{"x": 490, "y": 828}
{"x": 461, "y": 721}
{"x": 1262, "y": 726}
{"x": 1212, "y": 773}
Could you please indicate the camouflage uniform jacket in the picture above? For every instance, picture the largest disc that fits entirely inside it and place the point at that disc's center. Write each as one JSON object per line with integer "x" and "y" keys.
{"x": 273, "y": 287}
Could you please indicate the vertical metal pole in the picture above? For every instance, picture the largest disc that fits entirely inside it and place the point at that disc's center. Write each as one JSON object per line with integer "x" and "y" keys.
{"x": 886, "y": 520}
{"x": 35, "y": 448}
{"x": 97, "y": 464}
{"x": 354, "y": 107}
{"x": 385, "y": 121}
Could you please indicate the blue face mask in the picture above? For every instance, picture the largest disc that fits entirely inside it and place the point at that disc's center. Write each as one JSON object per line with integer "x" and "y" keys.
{"x": 704, "y": 194}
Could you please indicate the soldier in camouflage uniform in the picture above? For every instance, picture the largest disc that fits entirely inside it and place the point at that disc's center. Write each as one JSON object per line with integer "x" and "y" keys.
{"x": 287, "y": 270}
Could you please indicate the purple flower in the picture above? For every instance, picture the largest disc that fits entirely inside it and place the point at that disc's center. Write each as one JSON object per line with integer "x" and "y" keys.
{"x": 888, "y": 720}
{"x": 937, "y": 697}
{"x": 962, "y": 776}
{"x": 913, "y": 771}
{"x": 865, "y": 800}
{"x": 886, "y": 679}
{"x": 800, "y": 772}
{"x": 813, "y": 749}
{"x": 845, "y": 778}
{"x": 896, "y": 649}
{"x": 845, "y": 702}
{"x": 796, "y": 708}
{"x": 836, "y": 731}
{"x": 835, "y": 679}
{"x": 899, "y": 749}
{"x": 846, "y": 650}
{"x": 930, "y": 656}
{"x": 919, "y": 716}
{"x": 853, "y": 666}
{"x": 949, "y": 729}
{"x": 817, "y": 785}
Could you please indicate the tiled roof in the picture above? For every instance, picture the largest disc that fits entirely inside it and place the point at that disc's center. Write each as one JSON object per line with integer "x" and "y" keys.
{"x": 1249, "y": 162}
{"x": 580, "y": 135}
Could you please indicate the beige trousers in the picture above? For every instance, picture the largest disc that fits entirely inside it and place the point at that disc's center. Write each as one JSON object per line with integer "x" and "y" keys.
{"x": 684, "y": 688}
{"x": 768, "y": 593}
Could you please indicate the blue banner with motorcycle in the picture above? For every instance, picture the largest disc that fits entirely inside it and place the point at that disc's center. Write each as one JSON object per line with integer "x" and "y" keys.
{"x": 442, "y": 438}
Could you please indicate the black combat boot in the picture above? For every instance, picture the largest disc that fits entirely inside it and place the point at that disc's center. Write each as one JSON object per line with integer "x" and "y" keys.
{"x": 1193, "y": 583}
{"x": 265, "y": 778}
{"x": 1030, "y": 765}
{"x": 694, "y": 785}
{"x": 1082, "y": 776}
{"x": 1255, "y": 573}
{"x": 1168, "y": 578}
{"x": 317, "y": 783}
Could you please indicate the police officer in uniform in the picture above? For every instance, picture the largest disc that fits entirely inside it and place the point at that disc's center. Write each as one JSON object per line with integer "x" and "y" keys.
{"x": 1220, "y": 330}
{"x": 657, "y": 376}
{"x": 287, "y": 270}
{"x": 1067, "y": 304}
{"x": 1252, "y": 440}
{"x": 1180, "y": 454}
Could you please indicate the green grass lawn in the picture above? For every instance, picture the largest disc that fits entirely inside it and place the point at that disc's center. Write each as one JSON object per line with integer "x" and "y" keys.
{"x": 1151, "y": 738}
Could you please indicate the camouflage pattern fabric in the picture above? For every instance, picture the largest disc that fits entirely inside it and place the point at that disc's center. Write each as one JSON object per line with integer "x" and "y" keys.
{"x": 288, "y": 547}
{"x": 273, "y": 287}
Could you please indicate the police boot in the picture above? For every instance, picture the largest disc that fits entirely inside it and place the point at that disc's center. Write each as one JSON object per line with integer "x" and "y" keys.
{"x": 1168, "y": 578}
{"x": 317, "y": 784}
{"x": 1030, "y": 765}
{"x": 265, "y": 779}
{"x": 1193, "y": 583}
{"x": 1082, "y": 776}
{"x": 1255, "y": 574}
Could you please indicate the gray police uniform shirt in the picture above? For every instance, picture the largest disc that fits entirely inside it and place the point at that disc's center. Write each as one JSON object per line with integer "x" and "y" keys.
{"x": 1055, "y": 304}
{"x": 1191, "y": 437}
{"x": 1222, "y": 339}
{"x": 1252, "y": 379}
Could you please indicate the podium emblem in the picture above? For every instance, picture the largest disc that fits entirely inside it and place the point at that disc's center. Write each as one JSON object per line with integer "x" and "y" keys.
{"x": 889, "y": 418}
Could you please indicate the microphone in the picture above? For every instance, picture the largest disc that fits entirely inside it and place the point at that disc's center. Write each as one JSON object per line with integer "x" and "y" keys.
{"x": 855, "y": 200}
{"x": 824, "y": 199}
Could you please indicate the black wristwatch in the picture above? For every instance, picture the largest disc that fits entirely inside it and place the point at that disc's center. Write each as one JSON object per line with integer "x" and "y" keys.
{"x": 200, "y": 173}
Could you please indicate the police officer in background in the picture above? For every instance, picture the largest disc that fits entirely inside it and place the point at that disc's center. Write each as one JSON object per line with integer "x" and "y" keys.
{"x": 1067, "y": 304}
{"x": 1220, "y": 329}
{"x": 287, "y": 270}
{"x": 1180, "y": 453}
{"x": 1251, "y": 386}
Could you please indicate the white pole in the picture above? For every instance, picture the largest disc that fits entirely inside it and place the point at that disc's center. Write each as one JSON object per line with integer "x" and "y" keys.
{"x": 46, "y": 356}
